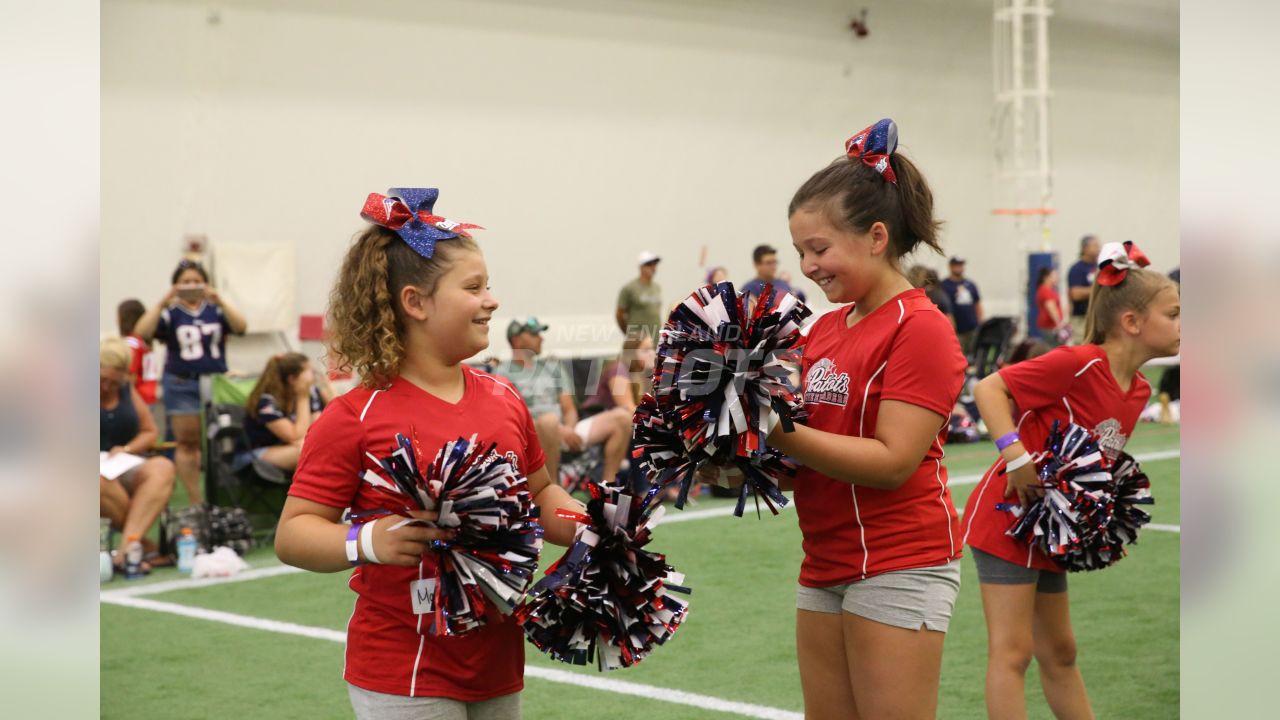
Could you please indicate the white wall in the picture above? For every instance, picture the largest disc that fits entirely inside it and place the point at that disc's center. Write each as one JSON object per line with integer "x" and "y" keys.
{"x": 582, "y": 132}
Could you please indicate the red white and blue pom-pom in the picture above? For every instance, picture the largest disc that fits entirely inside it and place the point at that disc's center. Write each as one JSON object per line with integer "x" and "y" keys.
{"x": 723, "y": 369}
{"x": 1088, "y": 511}
{"x": 607, "y": 600}
{"x": 479, "y": 493}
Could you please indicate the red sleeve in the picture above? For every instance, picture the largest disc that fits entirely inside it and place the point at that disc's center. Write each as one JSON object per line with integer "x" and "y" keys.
{"x": 534, "y": 458}
{"x": 1044, "y": 295}
{"x": 1045, "y": 380}
{"x": 332, "y": 458}
{"x": 925, "y": 365}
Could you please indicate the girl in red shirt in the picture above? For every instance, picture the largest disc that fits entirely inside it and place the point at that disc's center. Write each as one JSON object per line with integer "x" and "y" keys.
{"x": 411, "y": 303}
{"x": 881, "y": 375}
{"x": 1132, "y": 318}
{"x": 1049, "y": 320}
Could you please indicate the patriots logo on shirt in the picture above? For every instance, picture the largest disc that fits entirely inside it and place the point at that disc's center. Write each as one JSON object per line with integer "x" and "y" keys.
{"x": 825, "y": 385}
{"x": 1110, "y": 440}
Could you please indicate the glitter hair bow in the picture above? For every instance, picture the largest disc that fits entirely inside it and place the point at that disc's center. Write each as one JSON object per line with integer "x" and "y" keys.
{"x": 874, "y": 145}
{"x": 1115, "y": 261}
{"x": 410, "y": 212}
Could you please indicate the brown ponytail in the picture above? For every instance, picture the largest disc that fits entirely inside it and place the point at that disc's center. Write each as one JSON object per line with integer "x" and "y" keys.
{"x": 1107, "y": 303}
{"x": 275, "y": 382}
{"x": 856, "y": 197}
{"x": 365, "y": 321}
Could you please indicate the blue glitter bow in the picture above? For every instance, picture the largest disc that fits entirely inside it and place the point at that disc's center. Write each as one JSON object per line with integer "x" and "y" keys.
{"x": 410, "y": 212}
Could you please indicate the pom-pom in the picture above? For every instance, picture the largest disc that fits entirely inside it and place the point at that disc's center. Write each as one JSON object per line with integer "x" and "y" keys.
{"x": 480, "y": 494}
{"x": 607, "y": 600}
{"x": 1088, "y": 512}
{"x": 725, "y": 367}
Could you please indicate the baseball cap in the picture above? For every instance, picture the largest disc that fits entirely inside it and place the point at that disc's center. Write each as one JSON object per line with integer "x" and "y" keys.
{"x": 957, "y": 260}
{"x": 530, "y": 324}
{"x": 647, "y": 257}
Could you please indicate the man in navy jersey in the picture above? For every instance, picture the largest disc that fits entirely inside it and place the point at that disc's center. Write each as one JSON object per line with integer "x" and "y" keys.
{"x": 966, "y": 303}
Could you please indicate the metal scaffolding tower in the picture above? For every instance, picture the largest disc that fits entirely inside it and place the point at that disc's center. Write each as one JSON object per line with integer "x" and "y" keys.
{"x": 1023, "y": 172}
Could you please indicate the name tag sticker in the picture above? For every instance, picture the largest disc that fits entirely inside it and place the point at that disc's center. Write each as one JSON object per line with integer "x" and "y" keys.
{"x": 424, "y": 595}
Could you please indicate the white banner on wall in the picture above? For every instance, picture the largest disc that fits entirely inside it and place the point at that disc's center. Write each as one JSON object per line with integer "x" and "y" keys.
{"x": 259, "y": 278}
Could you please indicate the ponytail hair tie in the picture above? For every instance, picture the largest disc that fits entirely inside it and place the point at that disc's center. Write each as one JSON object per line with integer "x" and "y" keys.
{"x": 1116, "y": 260}
{"x": 410, "y": 213}
{"x": 873, "y": 146}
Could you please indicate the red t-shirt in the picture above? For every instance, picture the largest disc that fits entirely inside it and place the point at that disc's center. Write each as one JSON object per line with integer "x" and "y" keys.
{"x": 389, "y": 648}
{"x": 1047, "y": 295}
{"x": 143, "y": 368}
{"x": 905, "y": 350}
{"x": 1070, "y": 384}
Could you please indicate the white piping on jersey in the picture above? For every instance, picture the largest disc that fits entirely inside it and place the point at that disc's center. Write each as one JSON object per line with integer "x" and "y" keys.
{"x": 496, "y": 381}
{"x": 1088, "y": 365}
{"x": 422, "y": 641}
{"x": 942, "y": 491}
{"x": 1071, "y": 416}
{"x": 413, "y": 684}
{"x": 983, "y": 484}
{"x": 902, "y": 311}
{"x": 346, "y": 638}
{"x": 853, "y": 489}
{"x": 368, "y": 404}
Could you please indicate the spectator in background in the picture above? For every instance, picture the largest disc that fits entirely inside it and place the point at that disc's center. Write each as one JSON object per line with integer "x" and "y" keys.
{"x": 193, "y": 320}
{"x": 1051, "y": 326}
{"x": 927, "y": 279}
{"x": 1080, "y": 284}
{"x": 545, "y": 387}
{"x": 966, "y": 303}
{"x": 640, "y": 301}
{"x": 765, "y": 259}
{"x": 144, "y": 369}
{"x": 132, "y": 501}
{"x": 624, "y": 383}
{"x": 280, "y": 408}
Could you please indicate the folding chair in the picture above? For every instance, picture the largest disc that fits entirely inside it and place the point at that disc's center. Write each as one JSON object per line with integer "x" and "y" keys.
{"x": 256, "y": 486}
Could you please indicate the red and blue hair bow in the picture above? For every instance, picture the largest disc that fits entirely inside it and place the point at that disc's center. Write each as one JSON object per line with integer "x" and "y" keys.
{"x": 411, "y": 213}
{"x": 1116, "y": 260}
{"x": 874, "y": 145}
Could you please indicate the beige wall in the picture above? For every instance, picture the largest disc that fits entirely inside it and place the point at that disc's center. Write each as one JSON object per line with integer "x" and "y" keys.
{"x": 582, "y": 132}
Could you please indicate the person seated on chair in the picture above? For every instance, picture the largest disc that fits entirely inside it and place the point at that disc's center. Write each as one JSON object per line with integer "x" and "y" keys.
{"x": 624, "y": 382}
{"x": 280, "y": 408}
{"x": 545, "y": 387}
{"x": 134, "y": 500}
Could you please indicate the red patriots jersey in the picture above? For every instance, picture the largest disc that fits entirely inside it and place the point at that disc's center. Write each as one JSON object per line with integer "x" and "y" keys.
{"x": 905, "y": 350}
{"x": 389, "y": 648}
{"x": 1069, "y": 384}
{"x": 143, "y": 368}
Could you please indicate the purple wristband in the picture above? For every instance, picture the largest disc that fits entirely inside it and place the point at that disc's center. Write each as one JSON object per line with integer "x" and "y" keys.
{"x": 1007, "y": 440}
{"x": 353, "y": 555}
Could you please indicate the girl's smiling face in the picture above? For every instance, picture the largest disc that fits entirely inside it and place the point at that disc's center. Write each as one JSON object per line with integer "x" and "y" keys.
{"x": 459, "y": 310}
{"x": 841, "y": 262}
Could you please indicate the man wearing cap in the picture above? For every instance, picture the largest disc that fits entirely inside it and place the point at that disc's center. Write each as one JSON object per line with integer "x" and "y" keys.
{"x": 1080, "y": 284}
{"x": 966, "y": 303}
{"x": 640, "y": 301}
{"x": 546, "y": 387}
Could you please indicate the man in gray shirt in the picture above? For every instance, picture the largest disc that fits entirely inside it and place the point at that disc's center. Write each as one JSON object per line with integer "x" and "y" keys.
{"x": 640, "y": 301}
{"x": 547, "y": 389}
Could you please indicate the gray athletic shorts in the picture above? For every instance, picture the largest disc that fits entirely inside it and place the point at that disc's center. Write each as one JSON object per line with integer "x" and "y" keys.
{"x": 370, "y": 705}
{"x": 996, "y": 571}
{"x": 901, "y": 598}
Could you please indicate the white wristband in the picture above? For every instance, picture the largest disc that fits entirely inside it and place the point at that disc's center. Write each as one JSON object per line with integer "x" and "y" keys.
{"x": 353, "y": 553}
{"x": 366, "y": 542}
{"x": 1017, "y": 462}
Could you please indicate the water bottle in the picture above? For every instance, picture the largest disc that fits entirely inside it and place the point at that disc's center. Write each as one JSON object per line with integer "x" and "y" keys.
{"x": 133, "y": 558}
{"x": 186, "y": 551}
{"x": 106, "y": 570}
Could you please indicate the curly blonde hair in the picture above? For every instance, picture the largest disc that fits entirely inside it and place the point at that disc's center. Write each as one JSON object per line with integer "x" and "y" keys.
{"x": 366, "y": 323}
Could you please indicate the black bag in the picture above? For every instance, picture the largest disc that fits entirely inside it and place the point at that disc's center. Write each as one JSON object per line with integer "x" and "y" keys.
{"x": 212, "y": 526}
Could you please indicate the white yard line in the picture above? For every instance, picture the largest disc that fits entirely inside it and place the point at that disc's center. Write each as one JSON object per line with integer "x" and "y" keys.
{"x": 671, "y": 517}
{"x": 594, "y": 682}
